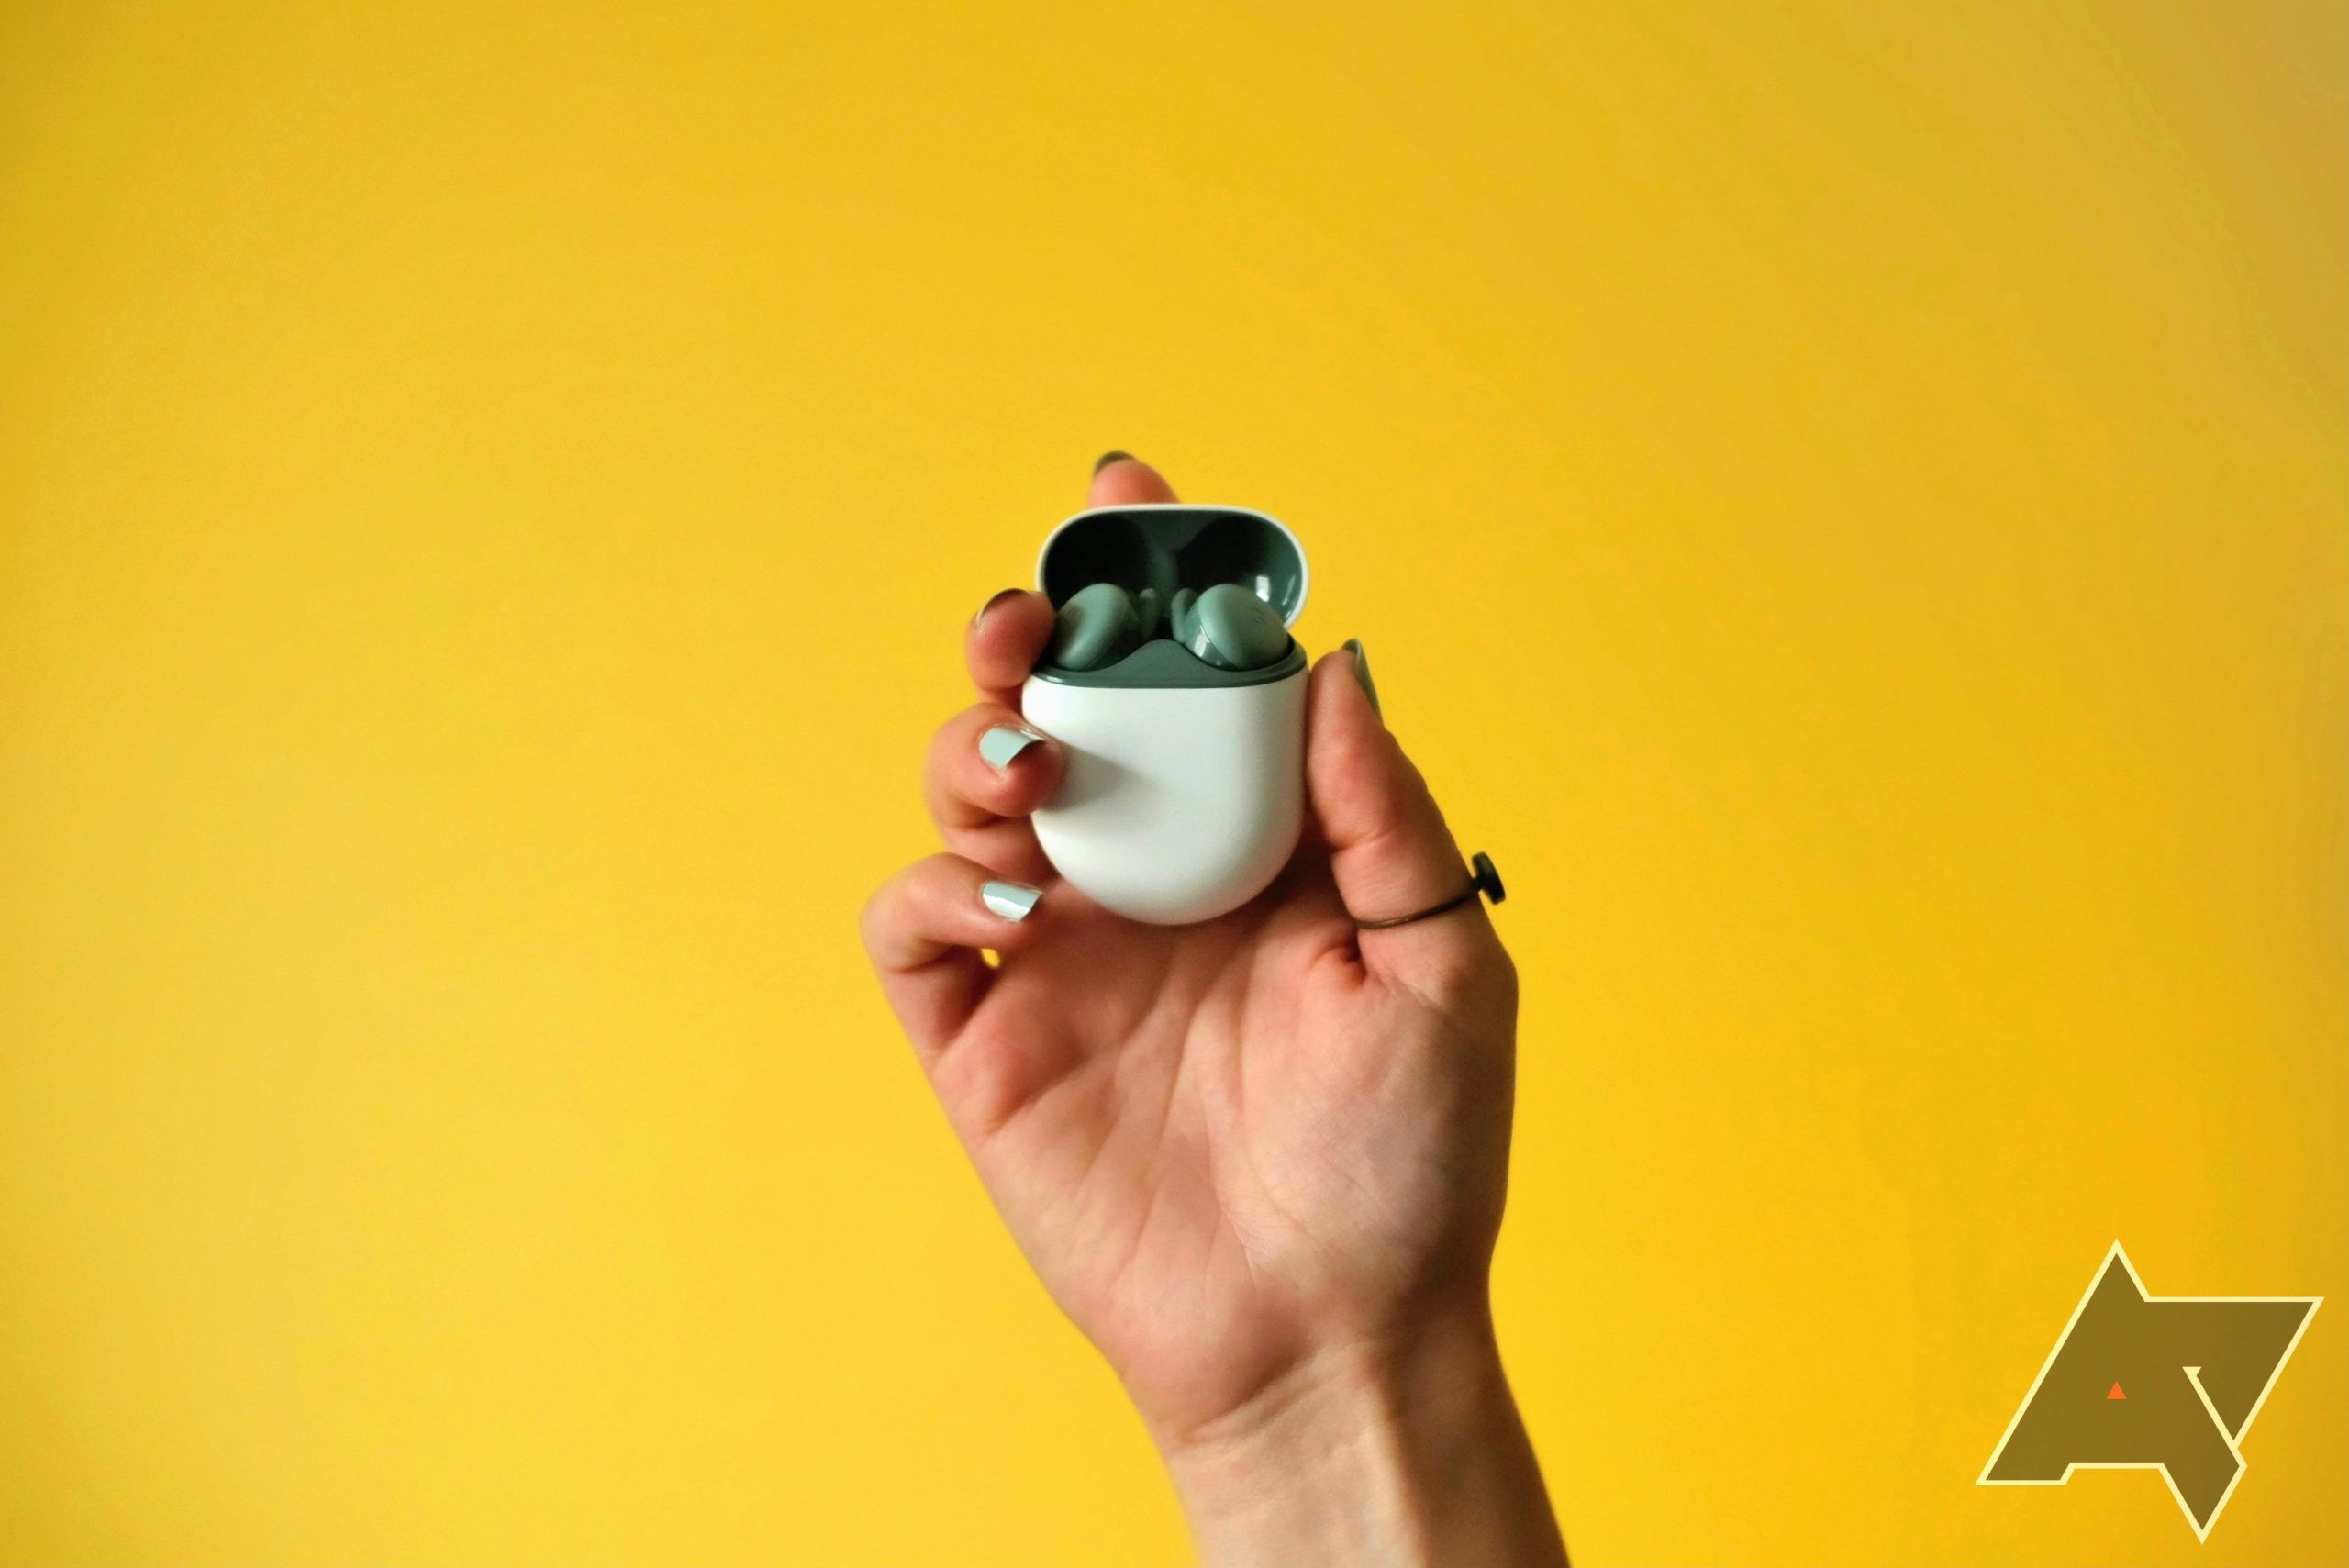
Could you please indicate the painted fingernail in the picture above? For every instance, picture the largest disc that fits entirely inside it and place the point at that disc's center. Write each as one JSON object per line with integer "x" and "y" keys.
{"x": 1011, "y": 900}
{"x": 1113, "y": 455}
{"x": 1007, "y": 594}
{"x": 1001, "y": 745}
{"x": 1362, "y": 674}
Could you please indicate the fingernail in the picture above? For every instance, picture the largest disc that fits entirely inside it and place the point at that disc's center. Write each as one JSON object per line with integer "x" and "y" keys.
{"x": 1001, "y": 745}
{"x": 1012, "y": 900}
{"x": 1007, "y": 594}
{"x": 1106, "y": 459}
{"x": 1362, "y": 674}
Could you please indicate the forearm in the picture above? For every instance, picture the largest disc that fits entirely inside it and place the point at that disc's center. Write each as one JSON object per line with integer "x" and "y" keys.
{"x": 1378, "y": 1457}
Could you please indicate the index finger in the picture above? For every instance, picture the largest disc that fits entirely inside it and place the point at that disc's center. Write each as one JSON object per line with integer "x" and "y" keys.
{"x": 1012, "y": 629}
{"x": 1005, "y": 639}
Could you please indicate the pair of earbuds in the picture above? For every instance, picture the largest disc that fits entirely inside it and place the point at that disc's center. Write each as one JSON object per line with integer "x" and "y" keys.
{"x": 1226, "y": 627}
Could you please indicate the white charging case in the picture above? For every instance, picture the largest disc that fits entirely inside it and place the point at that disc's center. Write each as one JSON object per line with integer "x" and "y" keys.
{"x": 1184, "y": 789}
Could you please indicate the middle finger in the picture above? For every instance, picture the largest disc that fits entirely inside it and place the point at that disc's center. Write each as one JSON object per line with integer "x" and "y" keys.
{"x": 986, "y": 772}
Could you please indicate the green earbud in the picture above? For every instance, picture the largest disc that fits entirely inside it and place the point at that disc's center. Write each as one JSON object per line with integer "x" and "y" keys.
{"x": 1228, "y": 627}
{"x": 1097, "y": 627}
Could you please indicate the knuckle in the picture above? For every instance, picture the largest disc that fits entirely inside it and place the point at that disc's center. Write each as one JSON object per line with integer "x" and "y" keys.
{"x": 874, "y": 915}
{"x": 1453, "y": 971}
{"x": 1505, "y": 982}
{"x": 1477, "y": 968}
{"x": 947, "y": 741}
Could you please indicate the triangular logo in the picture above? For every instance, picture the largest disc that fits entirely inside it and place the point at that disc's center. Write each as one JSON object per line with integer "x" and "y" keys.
{"x": 2209, "y": 1360}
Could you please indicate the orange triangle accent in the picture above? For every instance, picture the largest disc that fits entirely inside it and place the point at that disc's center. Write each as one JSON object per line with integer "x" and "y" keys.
{"x": 2116, "y": 1392}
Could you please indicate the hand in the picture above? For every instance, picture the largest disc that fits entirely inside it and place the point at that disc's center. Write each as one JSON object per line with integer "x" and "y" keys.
{"x": 1259, "y": 1161}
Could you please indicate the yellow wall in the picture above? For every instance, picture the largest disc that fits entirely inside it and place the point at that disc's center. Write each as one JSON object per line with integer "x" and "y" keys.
{"x": 1850, "y": 508}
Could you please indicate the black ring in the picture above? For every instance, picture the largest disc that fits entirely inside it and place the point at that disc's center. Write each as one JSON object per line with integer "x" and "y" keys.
{"x": 1483, "y": 878}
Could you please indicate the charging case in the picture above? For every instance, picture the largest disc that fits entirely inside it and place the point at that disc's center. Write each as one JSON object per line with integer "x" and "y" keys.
{"x": 1184, "y": 788}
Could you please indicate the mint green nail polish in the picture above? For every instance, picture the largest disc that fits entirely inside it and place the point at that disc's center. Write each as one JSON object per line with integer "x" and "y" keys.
{"x": 1001, "y": 745}
{"x": 981, "y": 614}
{"x": 1011, "y": 900}
{"x": 1362, "y": 674}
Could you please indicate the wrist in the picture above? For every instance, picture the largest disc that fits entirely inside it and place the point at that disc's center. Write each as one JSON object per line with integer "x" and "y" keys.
{"x": 1403, "y": 1449}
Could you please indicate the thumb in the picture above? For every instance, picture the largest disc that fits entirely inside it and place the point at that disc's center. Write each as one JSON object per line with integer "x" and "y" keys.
{"x": 1390, "y": 849}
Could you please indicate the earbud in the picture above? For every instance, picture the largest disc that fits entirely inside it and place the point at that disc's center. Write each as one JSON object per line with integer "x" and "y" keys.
{"x": 1226, "y": 627}
{"x": 1229, "y": 627}
{"x": 1098, "y": 626}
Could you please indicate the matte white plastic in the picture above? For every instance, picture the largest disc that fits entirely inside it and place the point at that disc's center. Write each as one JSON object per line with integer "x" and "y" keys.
{"x": 1178, "y": 805}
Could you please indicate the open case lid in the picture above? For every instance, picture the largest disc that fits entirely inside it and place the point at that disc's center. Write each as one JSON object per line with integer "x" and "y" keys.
{"x": 1169, "y": 545}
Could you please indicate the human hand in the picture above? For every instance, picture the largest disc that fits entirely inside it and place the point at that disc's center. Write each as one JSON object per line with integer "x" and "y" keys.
{"x": 1258, "y": 1161}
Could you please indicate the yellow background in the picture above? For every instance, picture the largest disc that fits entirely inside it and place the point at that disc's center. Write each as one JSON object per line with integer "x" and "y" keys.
{"x": 1850, "y": 507}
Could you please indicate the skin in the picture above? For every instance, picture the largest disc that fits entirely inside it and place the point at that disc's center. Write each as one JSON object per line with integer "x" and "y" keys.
{"x": 1260, "y": 1161}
